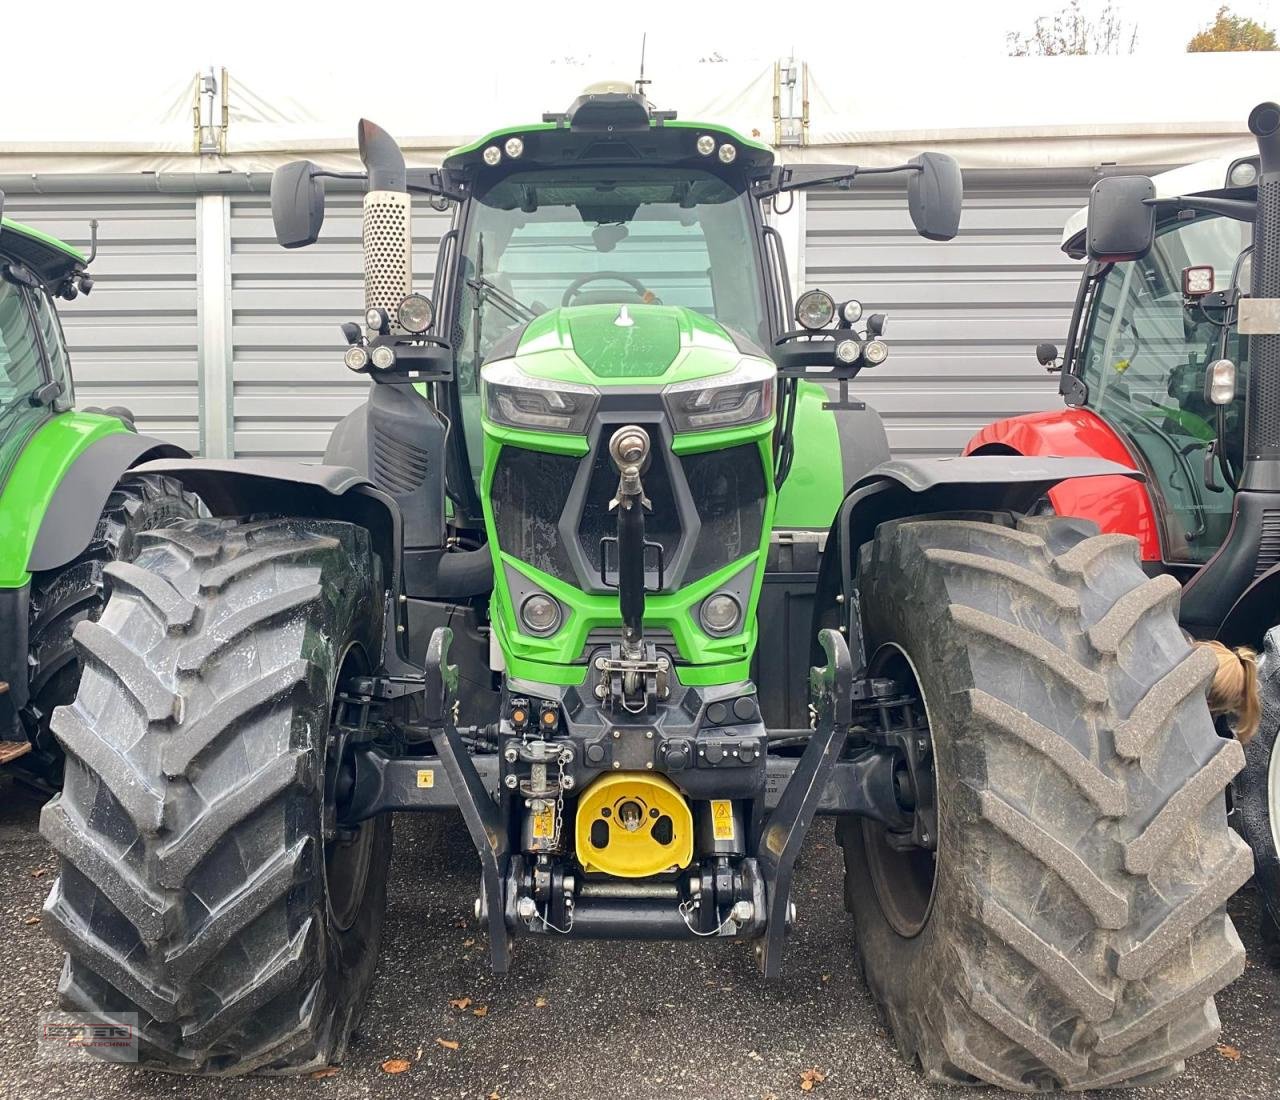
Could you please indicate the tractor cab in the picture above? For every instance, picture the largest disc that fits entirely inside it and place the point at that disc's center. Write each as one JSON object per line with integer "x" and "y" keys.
{"x": 34, "y": 378}
{"x": 1157, "y": 352}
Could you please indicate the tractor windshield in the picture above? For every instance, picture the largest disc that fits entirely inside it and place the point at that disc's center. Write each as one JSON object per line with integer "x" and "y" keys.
{"x": 21, "y": 373}
{"x": 545, "y": 238}
{"x": 1144, "y": 358}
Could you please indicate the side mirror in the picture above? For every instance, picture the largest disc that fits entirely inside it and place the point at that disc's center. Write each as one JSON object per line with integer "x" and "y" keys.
{"x": 297, "y": 203}
{"x": 934, "y": 196}
{"x": 1046, "y": 354}
{"x": 1122, "y": 224}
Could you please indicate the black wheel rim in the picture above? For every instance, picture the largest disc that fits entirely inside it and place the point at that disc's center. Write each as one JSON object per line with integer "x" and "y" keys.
{"x": 904, "y": 881}
{"x": 348, "y": 853}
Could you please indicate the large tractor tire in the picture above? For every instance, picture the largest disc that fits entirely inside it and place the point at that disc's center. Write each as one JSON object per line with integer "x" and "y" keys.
{"x": 1069, "y": 932}
{"x": 1258, "y": 796}
{"x": 61, "y": 598}
{"x": 204, "y": 885}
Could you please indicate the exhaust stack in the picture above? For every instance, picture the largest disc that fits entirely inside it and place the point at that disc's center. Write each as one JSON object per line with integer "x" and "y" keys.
{"x": 1262, "y": 438}
{"x": 387, "y": 225}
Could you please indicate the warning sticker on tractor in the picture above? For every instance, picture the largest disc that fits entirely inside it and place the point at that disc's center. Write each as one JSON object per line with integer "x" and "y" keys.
{"x": 544, "y": 821}
{"x": 426, "y": 777}
{"x": 722, "y": 819}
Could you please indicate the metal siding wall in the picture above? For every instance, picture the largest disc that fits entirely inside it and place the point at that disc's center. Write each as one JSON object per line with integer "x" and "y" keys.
{"x": 133, "y": 341}
{"x": 289, "y": 387}
{"x": 964, "y": 316}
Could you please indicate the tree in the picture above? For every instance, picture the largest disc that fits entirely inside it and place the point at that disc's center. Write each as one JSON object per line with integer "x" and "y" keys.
{"x": 1231, "y": 33}
{"x": 1072, "y": 31}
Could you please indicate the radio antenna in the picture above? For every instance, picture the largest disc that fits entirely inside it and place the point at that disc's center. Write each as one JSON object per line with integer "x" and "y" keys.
{"x": 641, "y": 83}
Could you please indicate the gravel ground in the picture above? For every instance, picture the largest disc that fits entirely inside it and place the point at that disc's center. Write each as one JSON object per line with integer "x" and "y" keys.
{"x": 574, "y": 1020}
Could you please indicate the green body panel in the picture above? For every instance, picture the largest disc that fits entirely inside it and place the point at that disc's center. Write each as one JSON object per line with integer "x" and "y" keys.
{"x": 663, "y": 344}
{"x": 38, "y": 472}
{"x": 815, "y": 485}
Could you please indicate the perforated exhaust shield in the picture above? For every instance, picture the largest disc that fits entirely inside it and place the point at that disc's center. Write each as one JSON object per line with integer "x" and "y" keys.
{"x": 388, "y": 251}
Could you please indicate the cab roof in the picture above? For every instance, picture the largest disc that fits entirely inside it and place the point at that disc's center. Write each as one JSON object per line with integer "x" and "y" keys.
{"x": 609, "y": 128}
{"x": 50, "y": 259}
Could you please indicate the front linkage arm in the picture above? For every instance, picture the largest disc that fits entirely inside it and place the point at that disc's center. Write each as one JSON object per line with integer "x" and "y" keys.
{"x": 831, "y": 691}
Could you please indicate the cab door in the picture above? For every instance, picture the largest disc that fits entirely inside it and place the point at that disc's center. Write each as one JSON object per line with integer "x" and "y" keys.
{"x": 1144, "y": 358}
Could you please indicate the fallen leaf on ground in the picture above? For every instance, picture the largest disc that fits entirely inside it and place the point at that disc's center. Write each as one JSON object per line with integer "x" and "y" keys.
{"x": 480, "y": 1010}
{"x": 395, "y": 1065}
{"x": 1229, "y": 1052}
{"x": 460, "y": 1002}
{"x": 541, "y": 1002}
{"x": 323, "y": 1072}
{"x": 469, "y": 942}
{"x": 418, "y": 1057}
{"x": 448, "y": 1044}
{"x": 811, "y": 1077}
{"x": 494, "y": 1095}
{"x": 826, "y": 977}
{"x": 40, "y": 872}
{"x": 32, "y": 920}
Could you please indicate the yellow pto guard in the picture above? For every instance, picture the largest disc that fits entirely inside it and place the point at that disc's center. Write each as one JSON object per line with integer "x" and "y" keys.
{"x": 633, "y": 825}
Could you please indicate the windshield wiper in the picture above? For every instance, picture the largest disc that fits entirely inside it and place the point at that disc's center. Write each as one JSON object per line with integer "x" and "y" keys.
{"x": 507, "y": 303}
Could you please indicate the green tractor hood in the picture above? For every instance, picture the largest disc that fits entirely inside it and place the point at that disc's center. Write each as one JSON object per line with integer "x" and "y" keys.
{"x": 626, "y": 345}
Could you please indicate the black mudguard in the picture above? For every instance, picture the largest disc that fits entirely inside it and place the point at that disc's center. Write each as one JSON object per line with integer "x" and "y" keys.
{"x": 72, "y": 515}
{"x": 901, "y": 488}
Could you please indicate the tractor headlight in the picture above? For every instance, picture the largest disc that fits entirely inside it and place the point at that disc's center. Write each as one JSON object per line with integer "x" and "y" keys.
{"x": 742, "y": 396}
{"x": 415, "y": 313}
{"x": 706, "y": 145}
{"x": 356, "y": 358}
{"x": 720, "y": 614}
{"x": 540, "y": 614}
{"x": 875, "y": 352}
{"x": 518, "y": 400}
{"x": 383, "y": 357}
{"x": 492, "y": 155}
{"x": 514, "y": 147}
{"x": 815, "y": 309}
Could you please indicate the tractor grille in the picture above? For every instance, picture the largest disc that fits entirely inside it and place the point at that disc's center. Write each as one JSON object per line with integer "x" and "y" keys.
{"x": 729, "y": 492}
{"x": 530, "y": 490}
{"x": 552, "y": 512}
{"x": 661, "y": 524}
{"x": 1269, "y": 544}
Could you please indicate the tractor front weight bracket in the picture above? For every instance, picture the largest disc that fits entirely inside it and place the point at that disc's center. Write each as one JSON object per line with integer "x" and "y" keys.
{"x": 831, "y": 692}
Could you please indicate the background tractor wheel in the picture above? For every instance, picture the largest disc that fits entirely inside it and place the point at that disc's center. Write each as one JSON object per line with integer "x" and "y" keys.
{"x": 1070, "y": 932}
{"x": 60, "y": 598}
{"x": 1258, "y": 795}
{"x": 203, "y": 884}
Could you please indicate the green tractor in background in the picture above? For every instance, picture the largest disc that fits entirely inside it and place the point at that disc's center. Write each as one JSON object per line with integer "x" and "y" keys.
{"x": 613, "y": 564}
{"x": 68, "y": 508}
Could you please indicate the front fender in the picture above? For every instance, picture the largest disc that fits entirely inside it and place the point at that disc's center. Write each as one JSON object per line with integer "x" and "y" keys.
{"x": 902, "y": 488}
{"x": 52, "y": 501}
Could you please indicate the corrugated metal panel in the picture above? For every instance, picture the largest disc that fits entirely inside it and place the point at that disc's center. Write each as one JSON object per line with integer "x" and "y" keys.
{"x": 133, "y": 340}
{"x": 964, "y": 316}
{"x": 289, "y": 385}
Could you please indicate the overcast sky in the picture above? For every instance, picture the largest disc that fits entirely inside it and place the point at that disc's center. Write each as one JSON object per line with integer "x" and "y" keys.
{"x": 576, "y": 33}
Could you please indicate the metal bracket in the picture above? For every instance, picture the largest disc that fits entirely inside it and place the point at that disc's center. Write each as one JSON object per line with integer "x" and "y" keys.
{"x": 479, "y": 811}
{"x": 831, "y": 688}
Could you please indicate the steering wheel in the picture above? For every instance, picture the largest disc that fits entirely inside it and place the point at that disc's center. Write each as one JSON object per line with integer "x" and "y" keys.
{"x": 572, "y": 290}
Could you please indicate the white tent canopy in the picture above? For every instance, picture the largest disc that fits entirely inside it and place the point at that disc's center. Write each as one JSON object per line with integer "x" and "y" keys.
{"x": 1006, "y": 113}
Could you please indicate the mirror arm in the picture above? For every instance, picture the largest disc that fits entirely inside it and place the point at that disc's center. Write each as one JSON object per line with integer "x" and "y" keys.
{"x": 1240, "y": 210}
{"x": 800, "y": 177}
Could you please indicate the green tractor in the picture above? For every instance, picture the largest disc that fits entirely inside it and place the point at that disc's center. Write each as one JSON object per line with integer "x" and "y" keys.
{"x": 613, "y": 564}
{"x": 69, "y": 510}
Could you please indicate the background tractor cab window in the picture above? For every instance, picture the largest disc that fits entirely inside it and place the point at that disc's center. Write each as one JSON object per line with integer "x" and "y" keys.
{"x": 22, "y": 372}
{"x": 1144, "y": 358}
{"x": 542, "y": 239}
